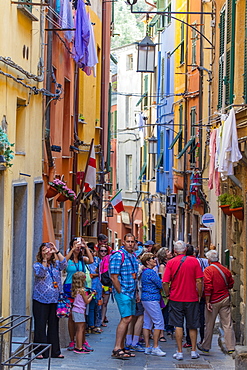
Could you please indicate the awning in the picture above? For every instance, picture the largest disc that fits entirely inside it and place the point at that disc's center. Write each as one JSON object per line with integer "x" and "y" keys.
{"x": 159, "y": 160}
{"x": 176, "y": 139}
{"x": 142, "y": 97}
{"x": 186, "y": 147}
{"x": 143, "y": 170}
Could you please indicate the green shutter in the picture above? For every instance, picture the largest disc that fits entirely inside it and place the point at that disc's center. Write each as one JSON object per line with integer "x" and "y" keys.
{"x": 182, "y": 44}
{"x": 146, "y": 91}
{"x": 162, "y": 76}
{"x": 160, "y": 5}
{"x": 160, "y": 161}
{"x": 189, "y": 143}
{"x": 180, "y": 142}
{"x": 221, "y": 57}
{"x": 29, "y": 7}
{"x": 144, "y": 166}
{"x": 175, "y": 139}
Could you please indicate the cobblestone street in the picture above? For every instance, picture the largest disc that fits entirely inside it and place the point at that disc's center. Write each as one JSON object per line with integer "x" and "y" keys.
{"x": 103, "y": 344}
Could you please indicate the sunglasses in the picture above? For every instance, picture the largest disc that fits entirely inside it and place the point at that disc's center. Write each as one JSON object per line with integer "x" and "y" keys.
{"x": 152, "y": 258}
{"x": 103, "y": 250}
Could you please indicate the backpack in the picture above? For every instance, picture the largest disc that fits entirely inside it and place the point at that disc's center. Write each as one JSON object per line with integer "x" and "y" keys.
{"x": 105, "y": 278}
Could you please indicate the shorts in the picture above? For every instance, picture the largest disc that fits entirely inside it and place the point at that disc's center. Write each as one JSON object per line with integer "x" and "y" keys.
{"x": 126, "y": 305}
{"x": 152, "y": 315}
{"x": 180, "y": 310}
{"x": 78, "y": 317}
{"x": 139, "y": 309}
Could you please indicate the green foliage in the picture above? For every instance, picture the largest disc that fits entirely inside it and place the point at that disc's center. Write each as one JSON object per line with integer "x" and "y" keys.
{"x": 225, "y": 199}
{"x": 237, "y": 202}
{"x": 127, "y": 27}
{"x": 5, "y": 148}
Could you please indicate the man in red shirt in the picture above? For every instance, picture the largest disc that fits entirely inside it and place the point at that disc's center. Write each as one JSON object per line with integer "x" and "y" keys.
{"x": 182, "y": 282}
{"x": 217, "y": 282}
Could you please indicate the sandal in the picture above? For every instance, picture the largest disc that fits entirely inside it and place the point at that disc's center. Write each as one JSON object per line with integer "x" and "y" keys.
{"x": 106, "y": 321}
{"x": 131, "y": 354}
{"x": 96, "y": 331}
{"x": 162, "y": 339}
{"x": 104, "y": 325}
{"x": 120, "y": 354}
{"x": 40, "y": 357}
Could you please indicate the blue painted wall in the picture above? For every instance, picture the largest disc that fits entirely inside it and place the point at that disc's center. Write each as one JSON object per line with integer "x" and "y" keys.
{"x": 165, "y": 99}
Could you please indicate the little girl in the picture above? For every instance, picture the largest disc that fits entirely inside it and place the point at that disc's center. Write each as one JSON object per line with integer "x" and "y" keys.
{"x": 79, "y": 308}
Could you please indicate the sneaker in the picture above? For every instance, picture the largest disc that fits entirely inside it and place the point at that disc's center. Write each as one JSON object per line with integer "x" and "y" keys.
{"x": 148, "y": 350}
{"x": 137, "y": 348}
{"x": 81, "y": 350}
{"x": 71, "y": 346}
{"x": 194, "y": 355}
{"x": 187, "y": 345}
{"x": 157, "y": 352}
{"x": 178, "y": 356}
{"x": 87, "y": 346}
{"x": 202, "y": 349}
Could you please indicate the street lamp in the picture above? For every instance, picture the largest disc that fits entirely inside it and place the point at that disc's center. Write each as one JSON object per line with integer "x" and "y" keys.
{"x": 109, "y": 210}
{"x": 146, "y": 55}
{"x": 152, "y": 145}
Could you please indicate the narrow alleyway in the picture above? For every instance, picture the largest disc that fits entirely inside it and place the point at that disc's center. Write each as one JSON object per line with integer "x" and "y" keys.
{"x": 103, "y": 344}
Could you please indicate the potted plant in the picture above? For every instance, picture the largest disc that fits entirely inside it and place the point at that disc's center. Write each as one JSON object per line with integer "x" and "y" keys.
{"x": 237, "y": 207}
{"x": 6, "y": 153}
{"x": 58, "y": 186}
{"x": 225, "y": 202}
{"x": 67, "y": 194}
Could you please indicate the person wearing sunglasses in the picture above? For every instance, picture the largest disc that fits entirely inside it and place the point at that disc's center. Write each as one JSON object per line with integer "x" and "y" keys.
{"x": 104, "y": 255}
{"x": 151, "y": 288}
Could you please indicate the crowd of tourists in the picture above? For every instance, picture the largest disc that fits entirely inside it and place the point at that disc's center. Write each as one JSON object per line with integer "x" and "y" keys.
{"x": 158, "y": 292}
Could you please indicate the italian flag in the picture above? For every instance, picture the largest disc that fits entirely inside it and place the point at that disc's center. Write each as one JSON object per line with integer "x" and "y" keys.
{"x": 117, "y": 202}
{"x": 90, "y": 179}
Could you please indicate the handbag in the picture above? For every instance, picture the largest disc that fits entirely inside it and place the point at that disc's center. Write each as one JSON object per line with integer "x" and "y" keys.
{"x": 63, "y": 306}
{"x": 67, "y": 289}
{"x": 105, "y": 279}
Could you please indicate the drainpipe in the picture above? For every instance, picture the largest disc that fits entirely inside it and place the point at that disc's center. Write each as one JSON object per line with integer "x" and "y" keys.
{"x": 74, "y": 218}
{"x": 102, "y": 109}
{"x": 184, "y": 232}
{"x": 48, "y": 87}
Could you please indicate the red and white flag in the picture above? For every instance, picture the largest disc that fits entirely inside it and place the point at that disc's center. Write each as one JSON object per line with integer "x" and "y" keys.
{"x": 90, "y": 179}
{"x": 117, "y": 202}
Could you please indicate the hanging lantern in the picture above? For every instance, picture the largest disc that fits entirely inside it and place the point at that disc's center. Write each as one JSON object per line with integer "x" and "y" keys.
{"x": 146, "y": 55}
{"x": 152, "y": 145}
{"x": 109, "y": 210}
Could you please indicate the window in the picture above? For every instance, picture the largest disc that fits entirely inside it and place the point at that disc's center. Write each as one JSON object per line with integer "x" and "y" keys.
{"x": 142, "y": 175}
{"x": 226, "y": 56}
{"x": 66, "y": 119}
{"x": 182, "y": 45}
{"x": 20, "y": 126}
{"x": 129, "y": 62}
{"x": 192, "y": 134}
{"x": 180, "y": 140}
{"x": 160, "y": 161}
{"x": 194, "y": 39}
{"x": 128, "y": 106}
{"x": 128, "y": 172}
{"x": 26, "y": 9}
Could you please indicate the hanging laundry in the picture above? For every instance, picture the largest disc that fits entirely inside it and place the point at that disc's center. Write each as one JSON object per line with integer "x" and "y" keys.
{"x": 92, "y": 53}
{"x": 67, "y": 19}
{"x": 58, "y": 6}
{"x": 214, "y": 180}
{"x": 82, "y": 35}
{"x": 230, "y": 153}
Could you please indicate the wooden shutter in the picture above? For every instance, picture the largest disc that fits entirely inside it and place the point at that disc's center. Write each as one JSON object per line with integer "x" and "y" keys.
{"x": 221, "y": 57}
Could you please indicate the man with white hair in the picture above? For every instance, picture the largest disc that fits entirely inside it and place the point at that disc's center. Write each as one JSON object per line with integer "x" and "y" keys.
{"x": 217, "y": 282}
{"x": 182, "y": 282}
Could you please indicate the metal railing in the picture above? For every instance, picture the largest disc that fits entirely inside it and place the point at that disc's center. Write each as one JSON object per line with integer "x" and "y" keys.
{"x": 27, "y": 351}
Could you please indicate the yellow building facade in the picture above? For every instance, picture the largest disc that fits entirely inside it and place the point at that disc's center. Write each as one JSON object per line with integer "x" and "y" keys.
{"x": 21, "y": 189}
